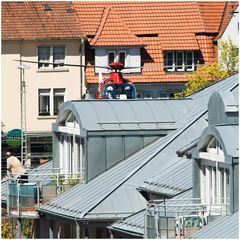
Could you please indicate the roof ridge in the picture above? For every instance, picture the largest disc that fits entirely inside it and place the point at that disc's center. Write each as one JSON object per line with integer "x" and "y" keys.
{"x": 201, "y": 17}
{"x": 223, "y": 16}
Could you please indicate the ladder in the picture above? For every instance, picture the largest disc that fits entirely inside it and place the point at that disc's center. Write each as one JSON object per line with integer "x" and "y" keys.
{"x": 23, "y": 115}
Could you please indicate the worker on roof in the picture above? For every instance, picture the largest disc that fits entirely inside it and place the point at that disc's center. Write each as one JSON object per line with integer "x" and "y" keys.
{"x": 15, "y": 168}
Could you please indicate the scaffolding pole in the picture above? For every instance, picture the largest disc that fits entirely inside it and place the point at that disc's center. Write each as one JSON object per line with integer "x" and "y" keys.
{"x": 23, "y": 103}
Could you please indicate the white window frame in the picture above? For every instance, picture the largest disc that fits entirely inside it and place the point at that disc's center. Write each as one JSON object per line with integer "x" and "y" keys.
{"x": 176, "y": 67}
{"x": 58, "y": 63}
{"x": 51, "y": 60}
{"x": 180, "y": 67}
{"x": 168, "y": 67}
{"x": 190, "y": 68}
{"x": 214, "y": 178}
{"x": 211, "y": 179}
{"x": 58, "y": 92}
{"x": 51, "y": 95}
{"x": 125, "y": 56}
{"x": 117, "y": 55}
{"x": 44, "y": 92}
{"x": 45, "y": 62}
{"x": 213, "y": 151}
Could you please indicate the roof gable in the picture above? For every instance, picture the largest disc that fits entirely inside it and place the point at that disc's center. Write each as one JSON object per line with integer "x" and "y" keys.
{"x": 113, "y": 32}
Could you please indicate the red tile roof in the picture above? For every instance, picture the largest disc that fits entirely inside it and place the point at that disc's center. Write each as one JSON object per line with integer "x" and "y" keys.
{"x": 163, "y": 18}
{"x": 29, "y": 20}
{"x": 211, "y": 14}
{"x": 160, "y": 25}
{"x": 113, "y": 32}
{"x": 230, "y": 7}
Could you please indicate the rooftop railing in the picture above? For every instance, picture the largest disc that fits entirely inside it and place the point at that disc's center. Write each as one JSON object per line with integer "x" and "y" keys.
{"x": 179, "y": 218}
{"x": 24, "y": 197}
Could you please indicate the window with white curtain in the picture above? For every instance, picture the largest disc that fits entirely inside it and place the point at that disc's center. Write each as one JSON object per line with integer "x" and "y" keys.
{"x": 44, "y": 102}
{"x": 58, "y": 99}
{"x": 50, "y": 100}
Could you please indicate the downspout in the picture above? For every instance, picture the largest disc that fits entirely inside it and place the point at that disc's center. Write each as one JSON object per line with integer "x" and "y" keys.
{"x": 231, "y": 186}
{"x": 82, "y": 62}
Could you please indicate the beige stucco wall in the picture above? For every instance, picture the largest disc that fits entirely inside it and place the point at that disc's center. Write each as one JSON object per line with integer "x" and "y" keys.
{"x": 10, "y": 89}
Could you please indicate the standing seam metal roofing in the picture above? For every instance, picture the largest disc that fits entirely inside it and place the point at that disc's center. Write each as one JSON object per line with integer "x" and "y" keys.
{"x": 222, "y": 228}
{"x": 94, "y": 192}
{"x": 171, "y": 181}
{"x": 125, "y": 115}
{"x": 133, "y": 170}
{"x": 134, "y": 225}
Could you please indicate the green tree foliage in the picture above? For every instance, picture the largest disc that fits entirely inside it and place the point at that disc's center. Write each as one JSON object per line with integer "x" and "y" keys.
{"x": 207, "y": 74}
{"x": 229, "y": 56}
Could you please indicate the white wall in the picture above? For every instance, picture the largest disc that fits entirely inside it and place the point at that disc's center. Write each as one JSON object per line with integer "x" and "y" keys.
{"x": 232, "y": 29}
{"x": 10, "y": 97}
{"x": 133, "y": 58}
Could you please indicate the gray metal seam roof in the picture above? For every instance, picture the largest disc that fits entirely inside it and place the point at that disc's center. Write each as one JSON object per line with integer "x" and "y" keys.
{"x": 99, "y": 189}
{"x": 223, "y": 227}
{"x": 170, "y": 181}
{"x": 108, "y": 115}
{"x": 134, "y": 224}
{"x": 130, "y": 169}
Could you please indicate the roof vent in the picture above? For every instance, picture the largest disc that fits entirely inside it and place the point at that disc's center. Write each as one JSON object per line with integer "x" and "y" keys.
{"x": 47, "y": 7}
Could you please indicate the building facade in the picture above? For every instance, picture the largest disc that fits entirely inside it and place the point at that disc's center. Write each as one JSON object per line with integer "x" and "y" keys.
{"x": 32, "y": 93}
{"x": 137, "y": 34}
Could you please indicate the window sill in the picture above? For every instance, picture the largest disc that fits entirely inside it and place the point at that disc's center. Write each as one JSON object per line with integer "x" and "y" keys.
{"x": 53, "y": 70}
{"x": 178, "y": 72}
{"x": 46, "y": 117}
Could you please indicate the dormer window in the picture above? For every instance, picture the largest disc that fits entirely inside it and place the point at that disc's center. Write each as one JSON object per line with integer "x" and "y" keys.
{"x": 214, "y": 147}
{"x": 111, "y": 56}
{"x": 117, "y": 56}
{"x": 213, "y": 151}
{"x": 179, "y": 61}
{"x": 214, "y": 175}
{"x": 129, "y": 56}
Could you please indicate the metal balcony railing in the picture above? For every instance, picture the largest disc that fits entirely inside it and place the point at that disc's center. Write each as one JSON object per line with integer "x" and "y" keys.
{"x": 24, "y": 198}
{"x": 179, "y": 218}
